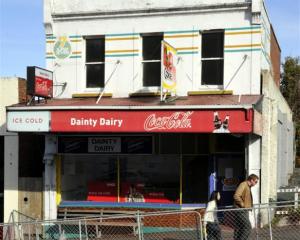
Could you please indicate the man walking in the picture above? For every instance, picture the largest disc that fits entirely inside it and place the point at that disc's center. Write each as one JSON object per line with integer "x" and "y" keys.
{"x": 243, "y": 200}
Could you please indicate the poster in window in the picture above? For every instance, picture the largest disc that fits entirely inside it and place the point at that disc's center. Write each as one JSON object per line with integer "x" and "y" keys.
{"x": 168, "y": 69}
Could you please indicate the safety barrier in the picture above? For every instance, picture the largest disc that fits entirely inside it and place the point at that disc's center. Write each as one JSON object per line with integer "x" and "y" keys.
{"x": 264, "y": 221}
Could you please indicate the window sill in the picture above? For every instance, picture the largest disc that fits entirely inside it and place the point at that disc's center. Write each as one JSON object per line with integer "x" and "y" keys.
{"x": 91, "y": 95}
{"x": 210, "y": 92}
{"x": 144, "y": 94}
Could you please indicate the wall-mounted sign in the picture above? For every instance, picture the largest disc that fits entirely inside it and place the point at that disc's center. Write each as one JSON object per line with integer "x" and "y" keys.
{"x": 151, "y": 121}
{"x": 62, "y": 48}
{"x": 104, "y": 144}
{"x": 39, "y": 82}
{"x": 28, "y": 121}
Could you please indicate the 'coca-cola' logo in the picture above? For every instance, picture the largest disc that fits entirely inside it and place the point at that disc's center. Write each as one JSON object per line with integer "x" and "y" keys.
{"x": 176, "y": 120}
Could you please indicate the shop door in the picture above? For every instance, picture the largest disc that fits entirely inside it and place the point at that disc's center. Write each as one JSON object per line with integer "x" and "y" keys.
{"x": 230, "y": 171}
{"x": 195, "y": 179}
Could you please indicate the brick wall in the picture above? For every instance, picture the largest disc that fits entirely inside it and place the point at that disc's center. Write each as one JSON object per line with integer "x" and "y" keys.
{"x": 22, "y": 90}
{"x": 275, "y": 57}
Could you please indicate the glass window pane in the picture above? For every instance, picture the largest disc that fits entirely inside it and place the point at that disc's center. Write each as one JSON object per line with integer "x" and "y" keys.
{"x": 152, "y": 47}
{"x": 150, "y": 179}
{"x": 92, "y": 178}
{"x": 195, "y": 179}
{"x": 151, "y": 74}
{"x": 95, "y": 50}
{"x": 169, "y": 143}
{"x": 212, "y": 72}
{"x": 95, "y": 75}
{"x": 212, "y": 44}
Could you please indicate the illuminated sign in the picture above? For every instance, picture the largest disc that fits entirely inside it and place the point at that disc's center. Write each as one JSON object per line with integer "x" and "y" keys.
{"x": 39, "y": 82}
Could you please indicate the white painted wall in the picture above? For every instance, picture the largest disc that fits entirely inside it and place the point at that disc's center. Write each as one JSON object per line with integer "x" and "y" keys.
{"x": 241, "y": 66}
{"x": 277, "y": 155}
{"x": 50, "y": 208}
{"x": 11, "y": 175}
{"x": 9, "y": 94}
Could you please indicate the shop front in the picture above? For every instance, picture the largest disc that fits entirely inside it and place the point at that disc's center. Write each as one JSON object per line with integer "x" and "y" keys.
{"x": 139, "y": 157}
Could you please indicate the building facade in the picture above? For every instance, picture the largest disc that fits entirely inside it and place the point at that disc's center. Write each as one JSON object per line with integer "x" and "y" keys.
{"x": 111, "y": 140}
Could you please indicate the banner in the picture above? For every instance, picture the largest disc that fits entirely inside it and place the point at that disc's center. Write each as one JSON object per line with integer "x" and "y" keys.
{"x": 168, "y": 69}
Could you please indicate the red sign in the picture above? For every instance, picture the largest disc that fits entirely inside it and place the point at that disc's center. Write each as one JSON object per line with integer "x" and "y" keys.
{"x": 39, "y": 82}
{"x": 206, "y": 121}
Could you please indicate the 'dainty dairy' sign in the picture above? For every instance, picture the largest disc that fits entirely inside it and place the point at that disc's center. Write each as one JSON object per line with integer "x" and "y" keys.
{"x": 104, "y": 144}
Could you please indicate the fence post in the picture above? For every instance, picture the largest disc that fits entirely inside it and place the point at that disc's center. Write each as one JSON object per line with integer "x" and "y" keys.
{"x": 86, "y": 230}
{"x": 270, "y": 222}
{"x": 296, "y": 196}
{"x": 255, "y": 222}
{"x": 36, "y": 231}
{"x": 79, "y": 229}
{"x": 138, "y": 218}
{"x": 200, "y": 226}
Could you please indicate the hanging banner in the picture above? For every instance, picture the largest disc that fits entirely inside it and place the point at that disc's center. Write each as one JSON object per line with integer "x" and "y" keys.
{"x": 168, "y": 69}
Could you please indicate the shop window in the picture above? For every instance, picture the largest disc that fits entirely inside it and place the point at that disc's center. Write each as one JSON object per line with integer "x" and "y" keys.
{"x": 195, "y": 179}
{"x": 170, "y": 143}
{"x": 92, "y": 178}
{"x": 150, "y": 179}
{"x": 95, "y": 62}
{"x": 229, "y": 143}
{"x": 151, "y": 60}
{"x": 212, "y": 57}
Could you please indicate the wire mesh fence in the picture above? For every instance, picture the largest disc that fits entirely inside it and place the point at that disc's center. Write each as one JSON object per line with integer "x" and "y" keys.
{"x": 260, "y": 222}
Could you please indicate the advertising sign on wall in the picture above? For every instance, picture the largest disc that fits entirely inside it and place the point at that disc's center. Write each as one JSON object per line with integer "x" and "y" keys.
{"x": 39, "y": 82}
{"x": 26, "y": 121}
{"x": 234, "y": 121}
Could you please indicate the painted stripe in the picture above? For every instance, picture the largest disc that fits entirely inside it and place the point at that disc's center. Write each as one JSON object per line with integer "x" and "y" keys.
{"x": 122, "y": 34}
{"x": 122, "y": 55}
{"x": 50, "y": 41}
{"x": 243, "y": 50}
{"x": 50, "y": 37}
{"x": 182, "y": 36}
{"x": 238, "y": 33}
{"x": 243, "y": 45}
{"x": 50, "y": 57}
{"x": 242, "y": 28}
{"x": 186, "y": 48}
{"x": 124, "y": 50}
{"x": 76, "y": 52}
{"x": 75, "y": 56}
{"x": 122, "y": 39}
{"x": 186, "y": 53}
{"x": 77, "y": 40}
{"x": 184, "y": 31}
{"x": 75, "y": 36}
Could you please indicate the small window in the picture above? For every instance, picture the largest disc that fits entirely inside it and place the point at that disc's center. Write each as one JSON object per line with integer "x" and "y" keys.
{"x": 95, "y": 62}
{"x": 212, "y": 57}
{"x": 151, "y": 60}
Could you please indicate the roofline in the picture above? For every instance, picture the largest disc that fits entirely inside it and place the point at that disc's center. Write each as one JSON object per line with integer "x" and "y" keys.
{"x": 166, "y": 107}
{"x": 148, "y": 12}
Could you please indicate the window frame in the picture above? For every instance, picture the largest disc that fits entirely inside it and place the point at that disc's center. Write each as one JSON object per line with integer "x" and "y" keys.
{"x": 205, "y": 59}
{"x": 157, "y": 87}
{"x": 93, "y": 89}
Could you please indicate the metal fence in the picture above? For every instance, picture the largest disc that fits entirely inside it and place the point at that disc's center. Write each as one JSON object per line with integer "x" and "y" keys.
{"x": 261, "y": 222}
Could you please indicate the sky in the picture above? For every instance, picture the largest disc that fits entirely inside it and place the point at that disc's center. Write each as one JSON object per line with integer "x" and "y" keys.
{"x": 22, "y": 38}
